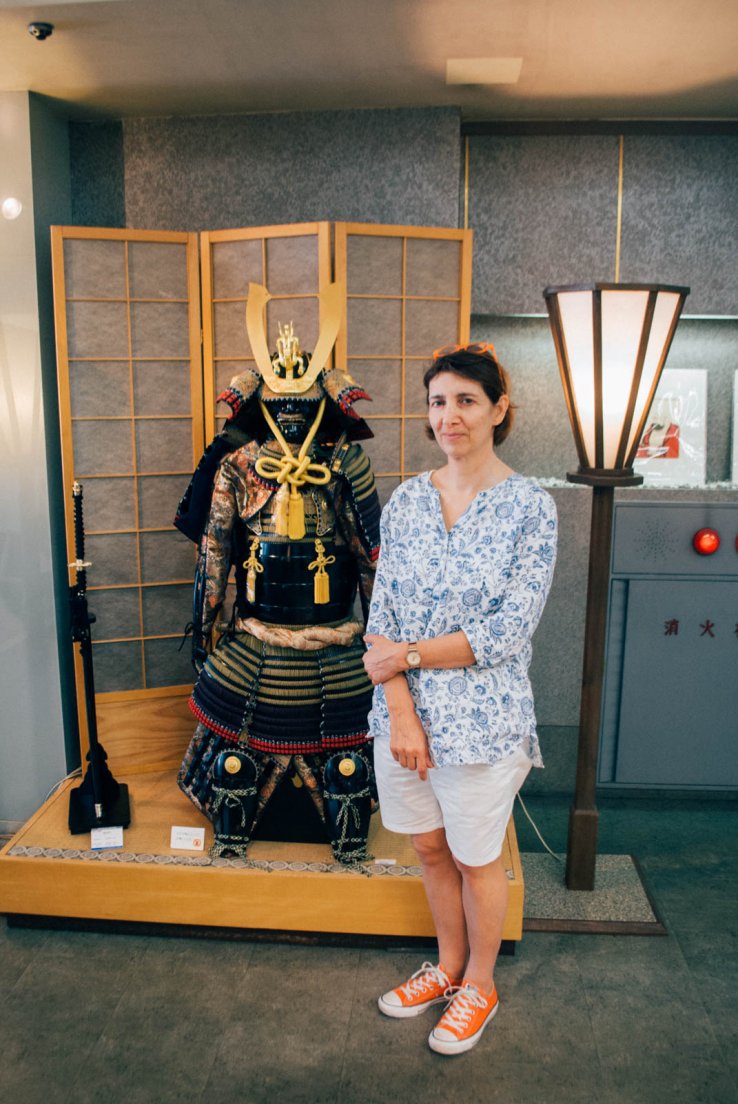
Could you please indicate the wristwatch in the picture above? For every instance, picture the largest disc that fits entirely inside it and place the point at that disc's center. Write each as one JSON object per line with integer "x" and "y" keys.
{"x": 413, "y": 655}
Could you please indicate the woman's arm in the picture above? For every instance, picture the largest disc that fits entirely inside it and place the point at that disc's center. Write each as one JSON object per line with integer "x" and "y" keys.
{"x": 385, "y": 659}
{"x": 408, "y": 740}
{"x": 498, "y": 629}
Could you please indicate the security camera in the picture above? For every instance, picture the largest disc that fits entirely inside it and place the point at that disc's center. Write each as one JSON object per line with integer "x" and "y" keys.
{"x": 40, "y": 31}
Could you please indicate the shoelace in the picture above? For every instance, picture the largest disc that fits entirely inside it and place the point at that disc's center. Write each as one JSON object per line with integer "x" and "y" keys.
{"x": 460, "y": 1010}
{"x": 423, "y": 979}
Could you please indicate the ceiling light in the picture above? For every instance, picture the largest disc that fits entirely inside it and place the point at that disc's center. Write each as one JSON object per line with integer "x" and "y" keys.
{"x": 489, "y": 70}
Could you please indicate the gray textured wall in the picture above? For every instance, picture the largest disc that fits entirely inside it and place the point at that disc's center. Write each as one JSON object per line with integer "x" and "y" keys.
{"x": 680, "y": 217}
{"x": 544, "y": 209}
{"x": 98, "y": 185}
{"x": 398, "y": 166}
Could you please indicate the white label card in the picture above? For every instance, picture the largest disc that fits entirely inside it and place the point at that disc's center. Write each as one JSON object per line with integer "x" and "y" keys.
{"x": 100, "y": 838}
{"x": 187, "y": 839}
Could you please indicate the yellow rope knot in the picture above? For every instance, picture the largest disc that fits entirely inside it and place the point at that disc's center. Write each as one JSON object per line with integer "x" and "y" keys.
{"x": 292, "y": 472}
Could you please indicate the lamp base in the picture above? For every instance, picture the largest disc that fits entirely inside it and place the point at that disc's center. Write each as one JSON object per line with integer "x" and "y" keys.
{"x": 581, "y": 855}
{"x": 605, "y": 477}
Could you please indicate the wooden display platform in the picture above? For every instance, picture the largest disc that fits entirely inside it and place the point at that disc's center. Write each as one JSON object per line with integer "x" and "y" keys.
{"x": 45, "y": 871}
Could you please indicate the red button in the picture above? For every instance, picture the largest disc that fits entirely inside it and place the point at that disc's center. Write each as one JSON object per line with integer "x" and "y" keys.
{"x": 706, "y": 541}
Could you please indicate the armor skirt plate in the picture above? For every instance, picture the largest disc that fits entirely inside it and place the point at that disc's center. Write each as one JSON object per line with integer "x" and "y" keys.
{"x": 276, "y": 699}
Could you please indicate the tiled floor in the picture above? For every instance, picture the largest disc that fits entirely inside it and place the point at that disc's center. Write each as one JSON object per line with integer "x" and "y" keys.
{"x": 605, "y": 1019}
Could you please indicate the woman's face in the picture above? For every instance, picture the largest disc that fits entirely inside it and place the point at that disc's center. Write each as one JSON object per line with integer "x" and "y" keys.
{"x": 462, "y": 416}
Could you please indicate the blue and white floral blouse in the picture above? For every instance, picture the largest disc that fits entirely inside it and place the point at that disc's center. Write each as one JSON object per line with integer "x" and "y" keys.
{"x": 488, "y": 576}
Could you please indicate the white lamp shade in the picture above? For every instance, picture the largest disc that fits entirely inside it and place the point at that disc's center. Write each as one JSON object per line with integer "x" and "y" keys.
{"x": 611, "y": 341}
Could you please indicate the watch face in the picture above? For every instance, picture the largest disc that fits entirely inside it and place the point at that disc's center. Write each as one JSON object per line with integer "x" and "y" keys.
{"x": 413, "y": 658}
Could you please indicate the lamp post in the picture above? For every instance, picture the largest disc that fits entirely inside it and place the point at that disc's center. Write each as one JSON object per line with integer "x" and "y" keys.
{"x": 611, "y": 343}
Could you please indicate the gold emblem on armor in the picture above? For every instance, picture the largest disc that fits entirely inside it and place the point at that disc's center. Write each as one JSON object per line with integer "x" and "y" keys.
{"x": 347, "y": 767}
{"x": 296, "y": 781}
{"x": 289, "y": 362}
{"x": 232, "y": 764}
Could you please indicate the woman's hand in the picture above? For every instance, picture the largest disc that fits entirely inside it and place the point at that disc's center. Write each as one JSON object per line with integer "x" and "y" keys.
{"x": 408, "y": 741}
{"x": 385, "y": 659}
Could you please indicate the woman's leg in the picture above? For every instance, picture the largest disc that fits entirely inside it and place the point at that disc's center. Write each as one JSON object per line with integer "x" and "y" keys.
{"x": 484, "y": 895}
{"x": 442, "y": 880}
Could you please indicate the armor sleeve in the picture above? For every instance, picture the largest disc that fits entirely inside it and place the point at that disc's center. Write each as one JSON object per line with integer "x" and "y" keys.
{"x": 216, "y": 547}
{"x": 366, "y": 567}
{"x": 382, "y": 620}
{"x": 357, "y": 513}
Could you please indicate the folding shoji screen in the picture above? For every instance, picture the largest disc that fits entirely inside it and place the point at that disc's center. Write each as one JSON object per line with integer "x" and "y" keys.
{"x": 408, "y": 292}
{"x": 130, "y": 385}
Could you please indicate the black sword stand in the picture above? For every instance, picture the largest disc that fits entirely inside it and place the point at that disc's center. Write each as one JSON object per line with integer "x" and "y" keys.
{"x": 100, "y": 801}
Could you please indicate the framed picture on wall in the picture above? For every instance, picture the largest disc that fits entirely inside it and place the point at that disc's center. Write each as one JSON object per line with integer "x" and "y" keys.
{"x": 674, "y": 444}
{"x": 734, "y": 473}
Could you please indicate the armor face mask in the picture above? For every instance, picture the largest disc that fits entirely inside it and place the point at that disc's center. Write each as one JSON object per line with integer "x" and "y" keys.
{"x": 294, "y": 416}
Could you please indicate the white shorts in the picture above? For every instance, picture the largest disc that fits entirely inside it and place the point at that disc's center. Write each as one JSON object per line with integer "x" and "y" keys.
{"x": 472, "y": 801}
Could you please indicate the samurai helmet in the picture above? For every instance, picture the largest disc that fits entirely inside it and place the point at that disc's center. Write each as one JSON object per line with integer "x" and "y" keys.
{"x": 292, "y": 373}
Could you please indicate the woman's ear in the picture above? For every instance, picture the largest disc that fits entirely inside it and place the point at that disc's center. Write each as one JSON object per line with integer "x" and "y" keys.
{"x": 501, "y": 408}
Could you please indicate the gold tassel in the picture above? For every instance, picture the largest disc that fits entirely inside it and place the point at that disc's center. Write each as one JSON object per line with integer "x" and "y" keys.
{"x": 296, "y": 522}
{"x": 252, "y": 566}
{"x": 322, "y": 592}
{"x": 282, "y": 511}
{"x": 321, "y": 581}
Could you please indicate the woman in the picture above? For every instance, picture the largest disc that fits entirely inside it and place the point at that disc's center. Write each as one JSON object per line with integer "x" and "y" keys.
{"x": 467, "y": 556}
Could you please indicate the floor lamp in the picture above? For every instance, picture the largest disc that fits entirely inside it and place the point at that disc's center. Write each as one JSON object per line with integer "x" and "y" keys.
{"x": 611, "y": 343}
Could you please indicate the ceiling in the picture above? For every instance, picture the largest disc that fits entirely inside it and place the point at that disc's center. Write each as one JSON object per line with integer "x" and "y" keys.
{"x": 581, "y": 59}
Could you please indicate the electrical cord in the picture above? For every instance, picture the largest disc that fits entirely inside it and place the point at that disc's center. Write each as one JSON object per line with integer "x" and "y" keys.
{"x": 535, "y": 829}
{"x": 76, "y": 773}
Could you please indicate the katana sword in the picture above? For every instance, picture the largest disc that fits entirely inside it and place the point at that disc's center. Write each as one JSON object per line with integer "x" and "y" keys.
{"x": 99, "y": 801}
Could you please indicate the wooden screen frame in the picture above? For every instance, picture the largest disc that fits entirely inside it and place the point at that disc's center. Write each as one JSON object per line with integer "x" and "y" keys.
{"x": 344, "y": 230}
{"x": 127, "y": 718}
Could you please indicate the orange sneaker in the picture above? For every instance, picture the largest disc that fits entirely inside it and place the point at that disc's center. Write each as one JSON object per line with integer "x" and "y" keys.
{"x": 429, "y": 985}
{"x": 461, "y": 1025}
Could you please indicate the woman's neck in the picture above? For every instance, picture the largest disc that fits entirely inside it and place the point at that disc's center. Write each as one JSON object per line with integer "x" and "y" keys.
{"x": 468, "y": 476}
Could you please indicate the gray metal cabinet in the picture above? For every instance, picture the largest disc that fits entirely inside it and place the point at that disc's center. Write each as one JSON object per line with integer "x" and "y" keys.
{"x": 670, "y": 708}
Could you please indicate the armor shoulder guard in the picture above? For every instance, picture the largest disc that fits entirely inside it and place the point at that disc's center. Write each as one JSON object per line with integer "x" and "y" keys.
{"x": 352, "y": 464}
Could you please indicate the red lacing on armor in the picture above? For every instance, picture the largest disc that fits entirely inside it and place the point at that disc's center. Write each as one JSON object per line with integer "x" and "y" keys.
{"x": 305, "y": 747}
{"x": 287, "y": 747}
{"x": 234, "y": 398}
{"x": 374, "y": 553}
{"x": 211, "y": 723}
{"x": 268, "y": 484}
{"x": 348, "y": 397}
